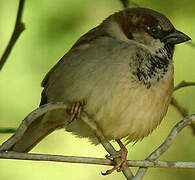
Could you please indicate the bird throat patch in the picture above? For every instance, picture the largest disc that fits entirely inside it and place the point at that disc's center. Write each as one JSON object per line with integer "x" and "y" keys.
{"x": 148, "y": 69}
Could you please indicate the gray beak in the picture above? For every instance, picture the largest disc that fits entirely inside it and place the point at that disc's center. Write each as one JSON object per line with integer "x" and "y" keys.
{"x": 176, "y": 37}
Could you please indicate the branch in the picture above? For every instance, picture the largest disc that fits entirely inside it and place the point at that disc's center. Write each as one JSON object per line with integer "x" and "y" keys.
{"x": 184, "y": 84}
{"x": 54, "y": 106}
{"x": 19, "y": 27}
{"x": 128, "y": 3}
{"x": 166, "y": 144}
{"x": 27, "y": 122}
{"x": 149, "y": 162}
{"x": 191, "y": 43}
{"x": 7, "y": 130}
{"x": 181, "y": 109}
{"x": 97, "y": 161}
{"x": 125, "y": 3}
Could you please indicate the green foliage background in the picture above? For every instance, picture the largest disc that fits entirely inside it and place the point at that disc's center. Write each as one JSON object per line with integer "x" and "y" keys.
{"x": 51, "y": 29}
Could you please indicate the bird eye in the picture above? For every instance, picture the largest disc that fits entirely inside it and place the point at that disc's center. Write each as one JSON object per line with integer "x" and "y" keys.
{"x": 154, "y": 31}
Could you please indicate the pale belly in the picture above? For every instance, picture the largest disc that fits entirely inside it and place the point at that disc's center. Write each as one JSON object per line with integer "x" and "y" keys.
{"x": 136, "y": 118}
{"x": 127, "y": 110}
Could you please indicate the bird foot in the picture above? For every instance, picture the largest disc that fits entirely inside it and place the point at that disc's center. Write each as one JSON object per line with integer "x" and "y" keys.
{"x": 75, "y": 111}
{"x": 122, "y": 154}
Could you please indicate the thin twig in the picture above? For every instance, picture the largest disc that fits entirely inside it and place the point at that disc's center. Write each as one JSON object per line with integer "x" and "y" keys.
{"x": 149, "y": 162}
{"x": 97, "y": 161}
{"x": 19, "y": 27}
{"x": 6, "y": 146}
{"x": 184, "y": 84}
{"x": 28, "y": 120}
{"x": 180, "y": 109}
{"x": 7, "y": 130}
{"x": 166, "y": 144}
{"x": 128, "y": 3}
{"x": 191, "y": 43}
{"x": 125, "y": 3}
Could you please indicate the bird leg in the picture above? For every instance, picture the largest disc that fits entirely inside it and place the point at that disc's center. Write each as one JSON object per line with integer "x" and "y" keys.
{"x": 75, "y": 111}
{"x": 122, "y": 154}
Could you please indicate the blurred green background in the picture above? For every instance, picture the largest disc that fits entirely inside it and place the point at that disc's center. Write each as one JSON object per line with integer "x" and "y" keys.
{"x": 51, "y": 29}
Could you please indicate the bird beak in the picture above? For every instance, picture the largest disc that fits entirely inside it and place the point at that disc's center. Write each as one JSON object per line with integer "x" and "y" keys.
{"x": 176, "y": 37}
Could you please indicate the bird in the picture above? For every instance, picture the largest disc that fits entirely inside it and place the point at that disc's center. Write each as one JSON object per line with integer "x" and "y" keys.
{"x": 121, "y": 73}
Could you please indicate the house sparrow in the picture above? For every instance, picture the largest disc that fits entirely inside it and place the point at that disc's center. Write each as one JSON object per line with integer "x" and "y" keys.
{"x": 120, "y": 73}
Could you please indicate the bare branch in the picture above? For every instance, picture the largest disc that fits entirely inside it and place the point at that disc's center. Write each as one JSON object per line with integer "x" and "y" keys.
{"x": 166, "y": 144}
{"x": 125, "y": 3}
{"x": 7, "y": 130}
{"x": 171, "y": 137}
{"x": 191, "y": 43}
{"x": 184, "y": 84}
{"x": 149, "y": 162}
{"x": 181, "y": 110}
{"x": 19, "y": 27}
{"x": 128, "y": 3}
{"x": 92, "y": 160}
{"x": 53, "y": 106}
{"x": 56, "y": 158}
{"x": 28, "y": 120}
{"x": 110, "y": 149}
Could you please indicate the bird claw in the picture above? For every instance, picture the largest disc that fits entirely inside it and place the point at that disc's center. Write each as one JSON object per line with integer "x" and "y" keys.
{"x": 122, "y": 154}
{"x": 75, "y": 111}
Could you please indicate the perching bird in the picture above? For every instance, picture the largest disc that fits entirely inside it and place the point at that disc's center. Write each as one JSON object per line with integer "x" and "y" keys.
{"x": 120, "y": 73}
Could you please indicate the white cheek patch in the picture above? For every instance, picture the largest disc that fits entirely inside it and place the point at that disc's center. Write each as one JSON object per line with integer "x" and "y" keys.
{"x": 148, "y": 41}
{"x": 156, "y": 43}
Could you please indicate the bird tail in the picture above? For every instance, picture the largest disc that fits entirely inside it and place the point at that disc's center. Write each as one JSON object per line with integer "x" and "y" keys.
{"x": 39, "y": 129}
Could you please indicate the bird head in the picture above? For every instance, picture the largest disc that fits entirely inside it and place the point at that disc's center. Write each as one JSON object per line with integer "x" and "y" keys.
{"x": 144, "y": 26}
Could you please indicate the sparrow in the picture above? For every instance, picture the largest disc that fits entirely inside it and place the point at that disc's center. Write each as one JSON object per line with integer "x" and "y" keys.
{"x": 120, "y": 73}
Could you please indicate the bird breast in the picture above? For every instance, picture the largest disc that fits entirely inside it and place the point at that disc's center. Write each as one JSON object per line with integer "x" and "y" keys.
{"x": 124, "y": 108}
{"x": 103, "y": 79}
